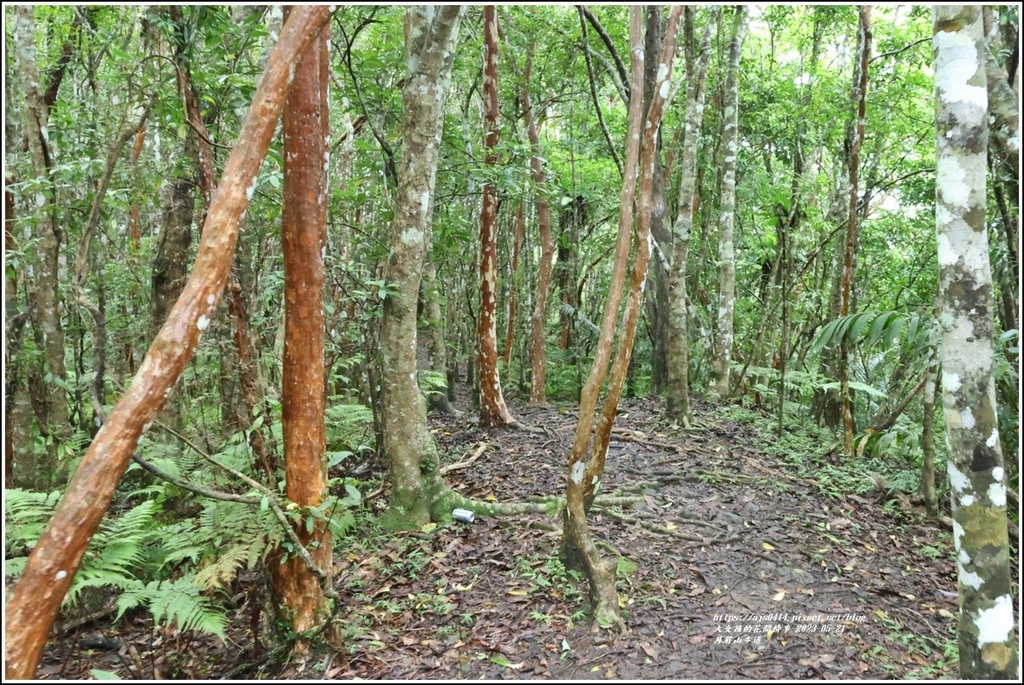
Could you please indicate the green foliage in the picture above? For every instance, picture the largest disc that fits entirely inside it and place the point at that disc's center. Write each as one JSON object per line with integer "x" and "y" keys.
{"x": 870, "y": 328}
{"x": 176, "y": 603}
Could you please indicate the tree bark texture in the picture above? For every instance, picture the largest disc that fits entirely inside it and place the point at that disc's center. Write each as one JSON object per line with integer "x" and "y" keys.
{"x": 677, "y": 362}
{"x": 434, "y": 320}
{"x": 977, "y": 477}
{"x": 513, "y": 291}
{"x": 538, "y": 360}
{"x": 657, "y": 301}
{"x": 586, "y": 463}
{"x": 493, "y": 410}
{"x": 46, "y": 301}
{"x": 36, "y": 598}
{"x": 410, "y": 449}
{"x": 722, "y": 357}
{"x": 854, "y": 141}
{"x": 303, "y": 226}
{"x": 12, "y": 337}
{"x": 927, "y": 486}
{"x": 1003, "y": 107}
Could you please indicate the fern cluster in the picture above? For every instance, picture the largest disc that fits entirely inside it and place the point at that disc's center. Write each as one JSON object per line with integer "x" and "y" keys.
{"x": 175, "y": 564}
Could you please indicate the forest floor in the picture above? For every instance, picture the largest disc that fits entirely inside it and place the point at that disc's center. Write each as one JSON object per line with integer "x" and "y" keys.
{"x": 740, "y": 556}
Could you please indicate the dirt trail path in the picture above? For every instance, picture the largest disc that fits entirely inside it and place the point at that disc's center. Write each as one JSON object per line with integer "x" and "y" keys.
{"x": 730, "y": 567}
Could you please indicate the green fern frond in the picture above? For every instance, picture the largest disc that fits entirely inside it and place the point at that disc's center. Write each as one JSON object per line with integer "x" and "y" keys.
{"x": 26, "y": 514}
{"x": 180, "y": 542}
{"x": 180, "y": 603}
{"x": 222, "y": 570}
{"x": 117, "y": 551}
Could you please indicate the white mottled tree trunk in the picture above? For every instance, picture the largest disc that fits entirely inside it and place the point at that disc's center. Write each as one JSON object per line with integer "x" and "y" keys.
{"x": 409, "y": 447}
{"x": 722, "y": 357}
{"x": 988, "y": 647}
{"x": 678, "y": 358}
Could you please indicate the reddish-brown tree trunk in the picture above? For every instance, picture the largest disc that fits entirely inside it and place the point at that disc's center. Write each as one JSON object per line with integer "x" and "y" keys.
{"x": 513, "y": 291}
{"x": 303, "y": 226}
{"x": 493, "y": 411}
{"x": 134, "y": 227}
{"x": 538, "y": 361}
{"x": 36, "y": 598}
{"x": 586, "y": 463}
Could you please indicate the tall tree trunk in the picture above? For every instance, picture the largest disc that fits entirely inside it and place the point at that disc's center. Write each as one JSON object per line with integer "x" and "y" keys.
{"x": 437, "y": 355}
{"x": 36, "y": 598}
{"x": 585, "y": 470}
{"x": 722, "y": 358}
{"x": 854, "y": 140}
{"x": 513, "y": 292}
{"x": 493, "y": 411}
{"x": 988, "y": 646}
{"x": 303, "y": 232}
{"x": 538, "y": 360}
{"x": 657, "y": 303}
{"x": 927, "y": 485}
{"x": 14, "y": 322}
{"x": 678, "y": 351}
{"x": 170, "y": 268}
{"x": 46, "y": 301}
{"x": 410, "y": 449}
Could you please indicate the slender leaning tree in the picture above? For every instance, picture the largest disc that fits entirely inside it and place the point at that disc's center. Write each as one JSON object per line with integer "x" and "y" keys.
{"x": 37, "y": 596}
{"x": 988, "y": 648}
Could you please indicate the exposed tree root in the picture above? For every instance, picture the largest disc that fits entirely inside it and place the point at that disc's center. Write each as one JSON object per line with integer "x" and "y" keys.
{"x": 466, "y": 462}
{"x": 637, "y": 437}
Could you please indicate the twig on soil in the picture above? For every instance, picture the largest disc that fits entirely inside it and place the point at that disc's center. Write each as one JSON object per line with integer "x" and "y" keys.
{"x": 466, "y": 462}
{"x": 72, "y": 624}
{"x": 654, "y": 527}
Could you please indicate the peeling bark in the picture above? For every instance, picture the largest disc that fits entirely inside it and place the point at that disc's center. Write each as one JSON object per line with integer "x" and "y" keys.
{"x": 303, "y": 226}
{"x": 36, "y": 598}
{"x": 493, "y": 410}
{"x": 586, "y": 462}
{"x": 978, "y": 487}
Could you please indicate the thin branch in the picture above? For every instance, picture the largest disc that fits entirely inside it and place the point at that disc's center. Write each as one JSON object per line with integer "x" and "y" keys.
{"x": 593, "y": 92}
{"x": 234, "y": 472}
{"x": 903, "y": 49}
{"x": 890, "y": 420}
{"x": 193, "y": 487}
{"x": 596, "y": 23}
